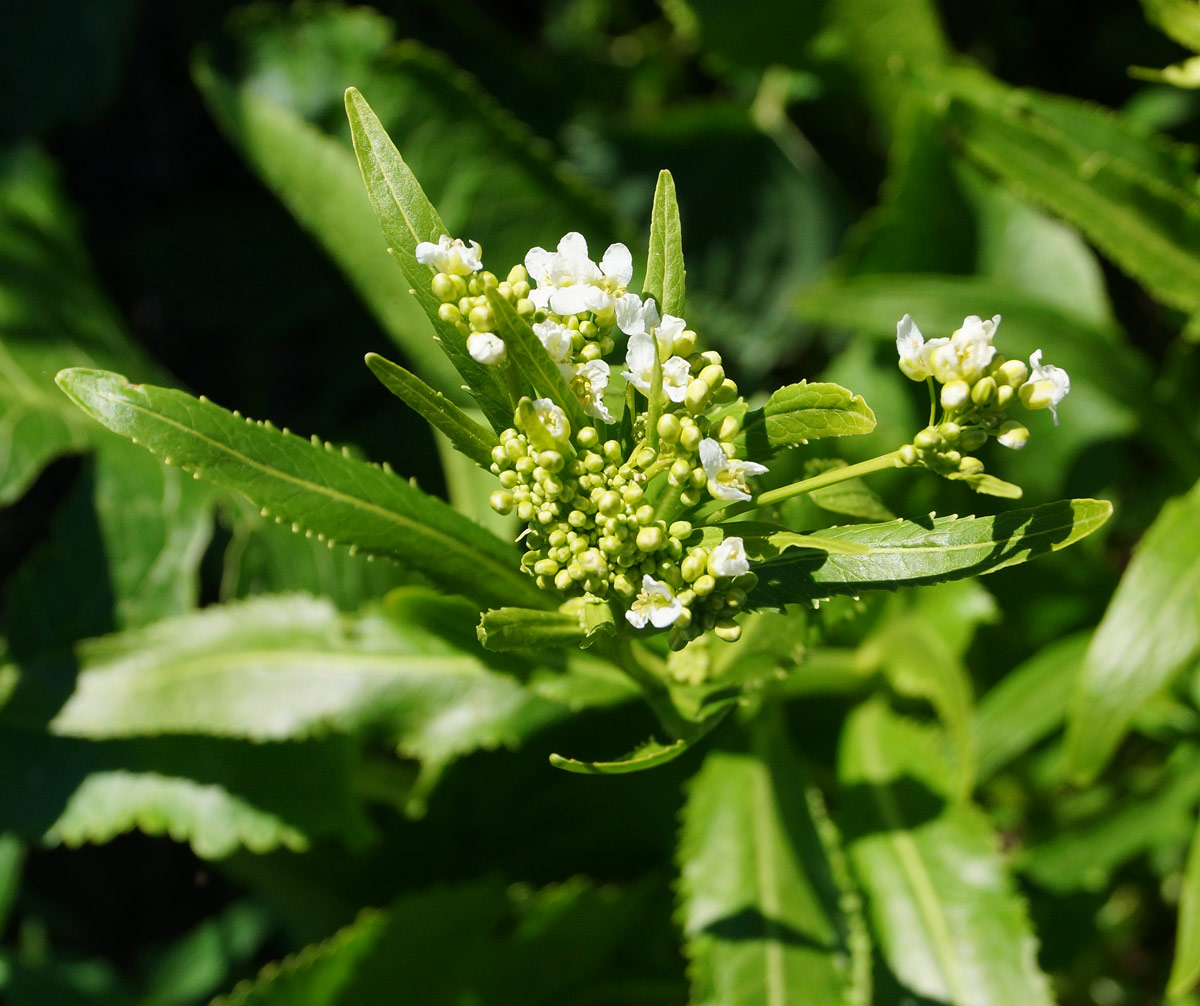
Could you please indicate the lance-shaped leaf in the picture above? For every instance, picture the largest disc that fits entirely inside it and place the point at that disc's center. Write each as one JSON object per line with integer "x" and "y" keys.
{"x": 943, "y": 909}
{"x": 763, "y": 540}
{"x": 768, "y": 914}
{"x": 576, "y": 623}
{"x": 801, "y": 412}
{"x": 942, "y": 548}
{"x": 1150, "y": 631}
{"x": 540, "y": 372}
{"x": 461, "y": 430}
{"x": 650, "y": 754}
{"x": 312, "y": 486}
{"x": 1185, "y": 969}
{"x": 664, "y": 265}
{"x": 1134, "y": 197}
{"x": 408, "y": 218}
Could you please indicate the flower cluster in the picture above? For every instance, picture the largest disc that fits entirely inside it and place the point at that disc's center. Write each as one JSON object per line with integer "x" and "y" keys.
{"x": 606, "y": 505}
{"x": 978, "y": 387}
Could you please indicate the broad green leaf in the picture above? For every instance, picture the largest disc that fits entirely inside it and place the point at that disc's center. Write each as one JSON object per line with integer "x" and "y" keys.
{"x": 408, "y": 218}
{"x": 1150, "y": 631}
{"x": 941, "y": 548}
{"x": 767, "y": 912}
{"x": 1185, "y": 969}
{"x": 918, "y": 663}
{"x": 943, "y": 909}
{"x": 1085, "y": 855}
{"x": 1129, "y": 195}
{"x": 805, "y": 411}
{"x": 217, "y": 794}
{"x": 274, "y": 669}
{"x": 532, "y": 360}
{"x": 764, "y": 540}
{"x": 483, "y": 942}
{"x": 1027, "y": 705}
{"x": 309, "y": 485}
{"x": 467, "y": 436}
{"x": 664, "y": 265}
{"x": 1180, "y": 19}
{"x": 317, "y": 178}
{"x": 650, "y": 754}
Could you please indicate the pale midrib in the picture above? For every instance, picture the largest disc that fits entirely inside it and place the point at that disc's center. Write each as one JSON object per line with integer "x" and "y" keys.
{"x": 921, "y": 884}
{"x": 135, "y": 678}
{"x": 768, "y": 882}
{"x": 452, "y": 544}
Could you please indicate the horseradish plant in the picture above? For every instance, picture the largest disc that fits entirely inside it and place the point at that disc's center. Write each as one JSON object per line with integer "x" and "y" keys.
{"x": 643, "y": 482}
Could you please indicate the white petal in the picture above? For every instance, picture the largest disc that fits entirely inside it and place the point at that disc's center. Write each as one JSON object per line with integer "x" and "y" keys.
{"x": 637, "y": 619}
{"x": 617, "y": 264}
{"x": 729, "y": 558}
{"x": 569, "y": 299}
{"x": 486, "y": 348}
{"x": 538, "y": 263}
{"x": 712, "y": 457}
{"x": 630, "y": 317}
{"x": 725, "y": 491}
{"x": 676, "y": 377}
{"x": 426, "y": 251}
{"x": 663, "y": 615}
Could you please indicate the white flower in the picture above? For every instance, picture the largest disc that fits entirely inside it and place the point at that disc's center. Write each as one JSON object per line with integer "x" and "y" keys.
{"x": 487, "y": 348}
{"x": 666, "y": 332}
{"x": 568, "y": 282}
{"x": 910, "y": 344}
{"x": 1047, "y": 386}
{"x": 726, "y": 475}
{"x": 450, "y": 256}
{"x": 588, "y": 381}
{"x": 639, "y": 361}
{"x": 966, "y": 354}
{"x": 729, "y": 558}
{"x": 556, "y": 338}
{"x": 656, "y": 603}
{"x": 552, "y": 419}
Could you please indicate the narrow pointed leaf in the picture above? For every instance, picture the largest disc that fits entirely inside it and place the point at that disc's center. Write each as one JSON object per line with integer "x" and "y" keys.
{"x": 942, "y": 548}
{"x": 664, "y": 265}
{"x": 408, "y": 218}
{"x": 464, "y": 433}
{"x": 765, "y": 904}
{"x": 1185, "y": 969}
{"x": 950, "y": 925}
{"x": 648, "y": 755}
{"x": 1149, "y": 633}
{"x": 576, "y": 623}
{"x": 530, "y": 356}
{"x": 805, "y": 411}
{"x": 313, "y": 487}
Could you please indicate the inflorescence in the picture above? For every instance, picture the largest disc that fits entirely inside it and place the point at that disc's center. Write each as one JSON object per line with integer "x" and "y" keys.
{"x": 606, "y": 506}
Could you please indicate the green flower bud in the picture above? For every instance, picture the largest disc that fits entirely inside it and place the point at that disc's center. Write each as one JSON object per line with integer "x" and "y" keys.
{"x": 955, "y": 394}
{"x": 694, "y": 565}
{"x": 725, "y": 393}
{"x": 632, "y": 493}
{"x": 505, "y": 290}
{"x": 984, "y": 391}
{"x": 650, "y": 539}
{"x": 482, "y": 319}
{"x": 710, "y": 357}
{"x": 644, "y": 514}
{"x": 1037, "y": 395}
{"x": 591, "y": 351}
{"x": 509, "y": 479}
{"x": 517, "y": 274}
{"x": 712, "y": 375}
{"x": 444, "y": 288}
{"x": 970, "y": 466}
{"x": 609, "y": 504}
{"x": 735, "y": 598}
{"x": 972, "y": 439}
{"x": 576, "y": 518}
{"x": 545, "y": 567}
{"x": 728, "y": 630}
{"x": 526, "y": 307}
{"x": 684, "y": 343}
{"x": 587, "y": 437}
{"x": 928, "y": 439}
{"x": 697, "y": 395}
{"x": 1014, "y": 373}
{"x": 690, "y": 497}
{"x": 612, "y": 450}
{"x": 624, "y": 586}
{"x": 450, "y": 314}
{"x": 1013, "y": 435}
{"x": 679, "y": 471}
{"x": 1004, "y": 395}
{"x": 669, "y": 428}
{"x": 520, "y": 290}
{"x": 562, "y": 580}
{"x": 729, "y": 429}
{"x": 704, "y": 585}
{"x": 680, "y": 529}
{"x": 525, "y": 511}
{"x": 690, "y": 437}
{"x": 501, "y": 502}
{"x": 698, "y": 478}
{"x": 908, "y": 454}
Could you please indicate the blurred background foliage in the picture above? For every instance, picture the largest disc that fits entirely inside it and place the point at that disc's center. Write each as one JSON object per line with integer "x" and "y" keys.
{"x": 178, "y": 202}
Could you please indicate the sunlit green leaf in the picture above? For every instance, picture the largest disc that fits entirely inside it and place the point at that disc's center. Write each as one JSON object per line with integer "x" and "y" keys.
{"x": 805, "y": 411}
{"x": 310, "y": 485}
{"x": 941, "y": 548}
{"x": 1150, "y": 631}
{"x": 948, "y": 920}
{"x": 664, "y": 265}
{"x": 766, "y": 911}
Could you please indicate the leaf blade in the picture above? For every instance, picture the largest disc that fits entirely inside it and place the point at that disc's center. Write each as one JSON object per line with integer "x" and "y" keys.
{"x": 665, "y": 274}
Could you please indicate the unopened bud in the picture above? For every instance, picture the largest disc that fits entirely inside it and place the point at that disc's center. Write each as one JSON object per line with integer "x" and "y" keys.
{"x": 450, "y": 314}
{"x": 587, "y": 437}
{"x": 609, "y": 504}
{"x": 728, "y": 630}
{"x": 712, "y": 375}
{"x": 684, "y": 343}
{"x": 1004, "y": 395}
{"x": 680, "y": 529}
{"x": 650, "y": 539}
{"x": 694, "y": 565}
{"x": 972, "y": 439}
{"x": 928, "y": 439}
{"x": 669, "y": 428}
{"x": 955, "y": 394}
{"x": 726, "y": 392}
{"x": 970, "y": 466}
{"x": 444, "y": 288}
{"x": 1014, "y": 373}
{"x": 1013, "y": 435}
{"x": 501, "y": 501}
{"x": 984, "y": 391}
{"x": 704, "y": 585}
{"x": 729, "y": 428}
{"x": 697, "y": 395}
{"x": 690, "y": 437}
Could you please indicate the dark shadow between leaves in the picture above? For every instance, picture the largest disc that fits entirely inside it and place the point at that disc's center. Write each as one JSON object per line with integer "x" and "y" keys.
{"x": 751, "y": 924}
{"x": 860, "y": 811}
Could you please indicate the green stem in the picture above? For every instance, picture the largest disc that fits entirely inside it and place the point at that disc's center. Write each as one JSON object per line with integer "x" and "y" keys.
{"x": 653, "y": 687}
{"x": 654, "y": 407}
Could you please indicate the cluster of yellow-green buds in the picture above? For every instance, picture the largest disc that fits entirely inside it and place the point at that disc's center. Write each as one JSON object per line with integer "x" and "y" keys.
{"x": 978, "y": 387}
{"x": 604, "y": 517}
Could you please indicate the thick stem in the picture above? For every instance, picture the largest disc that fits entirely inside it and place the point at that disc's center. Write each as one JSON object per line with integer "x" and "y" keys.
{"x": 653, "y": 687}
{"x": 830, "y": 478}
